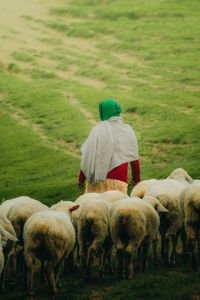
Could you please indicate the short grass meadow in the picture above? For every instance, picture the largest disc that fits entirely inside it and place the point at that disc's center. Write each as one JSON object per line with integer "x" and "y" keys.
{"x": 58, "y": 60}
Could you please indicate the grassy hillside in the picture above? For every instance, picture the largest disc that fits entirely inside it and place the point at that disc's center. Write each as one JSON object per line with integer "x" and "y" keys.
{"x": 59, "y": 64}
{"x": 58, "y": 60}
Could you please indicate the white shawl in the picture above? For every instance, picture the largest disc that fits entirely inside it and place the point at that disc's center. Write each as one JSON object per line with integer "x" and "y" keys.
{"x": 109, "y": 144}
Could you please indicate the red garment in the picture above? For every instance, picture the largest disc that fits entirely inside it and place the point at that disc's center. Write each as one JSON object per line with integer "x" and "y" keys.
{"x": 120, "y": 173}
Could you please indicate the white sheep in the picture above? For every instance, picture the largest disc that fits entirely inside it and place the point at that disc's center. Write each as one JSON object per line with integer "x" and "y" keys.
{"x": 66, "y": 206}
{"x": 134, "y": 224}
{"x": 93, "y": 233}
{"x": 62, "y": 205}
{"x": 113, "y": 196}
{"x": 140, "y": 188}
{"x": 22, "y": 208}
{"x": 18, "y": 210}
{"x": 190, "y": 207}
{"x": 161, "y": 210}
{"x": 110, "y": 196}
{"x": 168, "y": 191}
{"x": 80, "y": 201}
{"x": 7, "y": 204}
{"x": 7, "y": 242}
{"x": 181, "y": 175}
{"x": 50, "y": 236}
{"x": 196, "y": 181}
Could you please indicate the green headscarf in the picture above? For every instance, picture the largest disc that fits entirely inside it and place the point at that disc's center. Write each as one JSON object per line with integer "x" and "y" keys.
{"x": 108, "y": 109}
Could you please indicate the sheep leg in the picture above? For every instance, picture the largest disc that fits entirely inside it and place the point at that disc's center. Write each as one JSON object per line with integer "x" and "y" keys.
{"x": 74, "y": 258}
{"x": 128, "y": 265}
{"x": 163, "y": 245}
{"x": 42, "y": 277}
{"x": 77, "y": 256}
{"x": 155, "y": 256}
{"x": 50, "y": 274}
{"x": 95, "y": 246}
{"x": 140, "y": 258}
{"x": 120, "y": 257}
{"x": 145, "y": 249}
{"x": 192, "y": 235}
{"x": 30, "y": 273}
{"x": 12, "y": 266}
{"x": 130, "y": 249}
{"x": 82, "y": 242}
{"x": 120, "y": 262}
{"x": 174, "y": 243}
{"x": 106, "y": 255}
{"x": 59, "y": 270}
{"x": 183, "y": 239}
{"x": 89, "y": 261}
{"x": 20, "y": 263}
{"x": 69, "y": 263}
{"x": 167, "y": 250}
{"x": 82, "y": 253}
{"x": 3, "y": 274}
{"x": 110, "y": 265}
{"x": 193, "y": 248}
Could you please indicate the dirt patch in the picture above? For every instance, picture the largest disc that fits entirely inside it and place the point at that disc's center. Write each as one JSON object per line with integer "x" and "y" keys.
{"x": 71, "y": 145}
{"x": 145, "y": 158}
{"x": 185, "y": 109}
{"x": 191, "y": 88}
{"x": 20, "y": 31}
{"x": 2, "y": 97}
{"x": 76, "y": 103}
{"x": 127, "y": 59}
{"x": 163, "y": 104}
{"x": 125, "y": 88}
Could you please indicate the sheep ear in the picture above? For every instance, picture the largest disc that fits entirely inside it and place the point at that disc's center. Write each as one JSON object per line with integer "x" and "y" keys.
{"x": 73, "y": 208}
{"x": 8, "y": 236}
{"x": 161, "y": 208}
{"x": 189, "y": 179}
{"x": 4, "y": 219}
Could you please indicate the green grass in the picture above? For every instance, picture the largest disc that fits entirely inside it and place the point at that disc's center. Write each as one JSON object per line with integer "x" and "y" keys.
{"x": 20, "y": 56}
{"x": 145, "y": 55}
{"x": 167, "y": 282}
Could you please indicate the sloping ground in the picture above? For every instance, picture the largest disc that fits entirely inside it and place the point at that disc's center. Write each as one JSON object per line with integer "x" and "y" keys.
{"x": 21, "y": 45}
{"x": 59, "y": 58}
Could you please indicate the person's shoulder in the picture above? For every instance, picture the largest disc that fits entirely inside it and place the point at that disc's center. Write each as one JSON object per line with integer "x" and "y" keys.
{"x": 96, "y": 128}
{"x": 128, "y": 127}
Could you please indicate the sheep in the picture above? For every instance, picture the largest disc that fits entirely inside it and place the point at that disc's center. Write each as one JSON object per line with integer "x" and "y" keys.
{"x": 161, "y": 210}
{"x": 69, "y": 262}
{"x": 8, "y": 204}
{"x": 168, "y": 191}
{"x": 134, "y": 223}
{"x": 7, "y": 242}
{"x": 62, "y": 205}
{"x": 93, "y": 233}
{"x": 50, "y": 236}
{"x": 139, "y": 189}
{"x": 20, "y": 211}
{"x": 113, "y": 196}
{"x": 110, "y": 196}
{"x": 80, "y": 201}
{"x": 181, "y": 175}
{"x": 196, "y": 181}
{"x": 190, "y": 207}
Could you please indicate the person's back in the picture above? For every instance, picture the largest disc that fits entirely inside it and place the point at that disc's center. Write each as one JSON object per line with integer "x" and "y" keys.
{"x": 111, "y": 145}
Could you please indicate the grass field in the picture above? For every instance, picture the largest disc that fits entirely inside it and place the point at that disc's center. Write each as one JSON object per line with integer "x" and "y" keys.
{"x": 58, "y": 60}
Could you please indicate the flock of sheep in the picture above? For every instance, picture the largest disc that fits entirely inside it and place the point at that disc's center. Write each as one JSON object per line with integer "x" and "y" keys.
{"x": 109, "y": 226}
